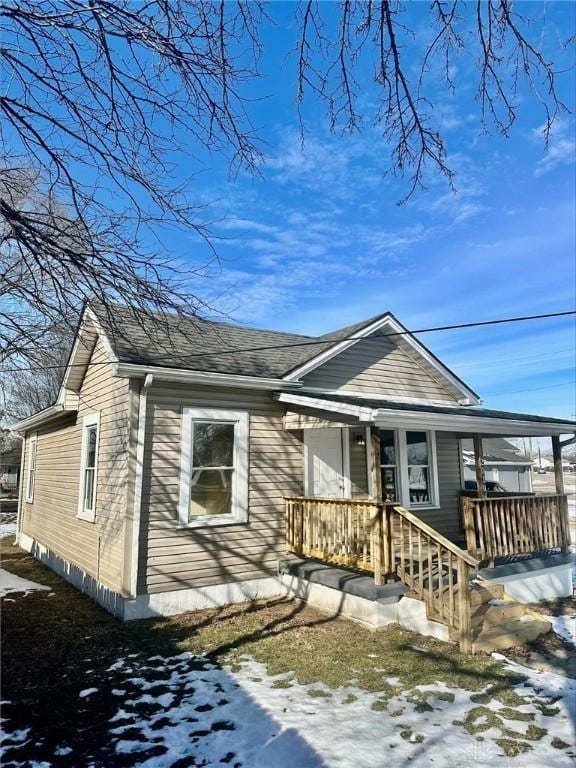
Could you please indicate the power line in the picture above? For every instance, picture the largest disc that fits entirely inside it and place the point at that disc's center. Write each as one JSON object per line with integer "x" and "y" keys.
{"x": 533, "y": 389}
{"x": 324, "y": 342}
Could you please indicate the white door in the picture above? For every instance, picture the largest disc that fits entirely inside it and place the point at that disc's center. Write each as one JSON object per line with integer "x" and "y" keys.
{"x": 325, "y": 465}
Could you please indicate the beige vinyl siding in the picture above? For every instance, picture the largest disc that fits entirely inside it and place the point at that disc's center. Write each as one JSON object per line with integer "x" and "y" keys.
{"x": 98, "y": 547}
{"x": 382, "y": 368}
{"x": 179, "y": 558}
{"x": 358, "y": 464}
{"x": 446, "y": 519}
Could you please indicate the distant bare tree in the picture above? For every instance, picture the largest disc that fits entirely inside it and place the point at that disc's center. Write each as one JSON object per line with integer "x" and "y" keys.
{"x": 100, "y": 99}
{"x": 27, "y": 392}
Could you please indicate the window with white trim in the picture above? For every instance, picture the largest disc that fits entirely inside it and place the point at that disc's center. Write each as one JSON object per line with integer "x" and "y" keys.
{"x": 31, "y": 476}
{"x": 408, "y": 467}
{"x": 89, "y": 467}
{"x": 388, "y": 465}
{"x": 214, "y": 467}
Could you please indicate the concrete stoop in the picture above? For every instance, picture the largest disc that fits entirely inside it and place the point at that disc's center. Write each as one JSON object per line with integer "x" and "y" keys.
{"x": 498, "y": 621}
{"x": 344, "y": 592}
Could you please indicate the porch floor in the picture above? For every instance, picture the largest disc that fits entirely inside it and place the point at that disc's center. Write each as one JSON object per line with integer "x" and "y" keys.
{"x": 351, "y": 581}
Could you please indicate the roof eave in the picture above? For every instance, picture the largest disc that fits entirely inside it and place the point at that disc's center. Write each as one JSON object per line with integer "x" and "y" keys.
{"x": 41, "y": 417}
{"x": 185, "y": 375}
{"x": 484, "y": 425}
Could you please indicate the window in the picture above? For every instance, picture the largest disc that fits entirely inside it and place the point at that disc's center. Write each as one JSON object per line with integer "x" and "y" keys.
{"x": 388, "y": 465}
{"x": 408, "y": 467}
{"x": 89, "y": 467}
{"x": 31, "y": 478}
{"x": 418, "y": 463}
{"x": 214, "y": 467}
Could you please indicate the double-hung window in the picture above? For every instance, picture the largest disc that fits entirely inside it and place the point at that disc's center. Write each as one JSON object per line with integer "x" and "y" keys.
{"x": 388, "y": 465}
{"x": 89, "y": 467}
{"x": 214, "y": 467}
{"x": 408, "y": 467}
{"x": 31, "y": 476}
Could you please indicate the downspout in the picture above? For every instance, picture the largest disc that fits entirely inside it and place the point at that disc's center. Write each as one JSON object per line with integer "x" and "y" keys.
{"x": 21, "y": 481}
{"x": 138, "y": 481}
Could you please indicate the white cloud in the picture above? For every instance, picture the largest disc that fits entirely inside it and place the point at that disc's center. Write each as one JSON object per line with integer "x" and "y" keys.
{"x": 561, "y": 149}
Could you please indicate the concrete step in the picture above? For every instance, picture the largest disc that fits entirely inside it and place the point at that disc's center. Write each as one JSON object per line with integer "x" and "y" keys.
{"x": 510, "y": 634}
{"x": 496, "y": 612}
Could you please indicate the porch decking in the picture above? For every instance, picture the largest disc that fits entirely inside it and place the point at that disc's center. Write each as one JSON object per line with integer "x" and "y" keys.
{"x": 391, "y": 542}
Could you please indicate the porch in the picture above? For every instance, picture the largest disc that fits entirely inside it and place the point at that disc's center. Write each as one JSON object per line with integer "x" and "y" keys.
{"x": 385, "y": 528}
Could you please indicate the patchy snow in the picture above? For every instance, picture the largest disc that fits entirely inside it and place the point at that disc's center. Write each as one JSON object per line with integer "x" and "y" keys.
{"x": 274, "y": 722}
{"x": 184, "y": 708}
{"x": 7, "y": 529}
{"x": 87, "y": 692}
{"x": 564, "y": 626}
{"x": 9, "y": 582}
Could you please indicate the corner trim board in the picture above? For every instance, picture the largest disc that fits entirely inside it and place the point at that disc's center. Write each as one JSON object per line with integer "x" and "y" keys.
{"x": 138, "y": 481}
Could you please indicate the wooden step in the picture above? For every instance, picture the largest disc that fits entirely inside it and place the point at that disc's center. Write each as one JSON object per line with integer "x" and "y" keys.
{"x": 511, "y": 634}
{"x": 484, "y": 592}
{"x": 496, "y": 612}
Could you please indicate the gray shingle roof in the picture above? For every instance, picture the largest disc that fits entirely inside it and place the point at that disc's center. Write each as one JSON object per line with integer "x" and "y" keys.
{"x": 497, "y": 448}
{"x": 204, "y": 345}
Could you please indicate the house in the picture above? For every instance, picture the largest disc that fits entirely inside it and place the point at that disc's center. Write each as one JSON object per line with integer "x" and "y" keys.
{"x": 504, "y": 465}
{"x": 10, "y": 459}
{"x": 183, "y": 460}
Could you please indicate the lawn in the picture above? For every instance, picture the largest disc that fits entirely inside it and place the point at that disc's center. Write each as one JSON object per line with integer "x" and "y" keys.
{"x": 270, "y": 685}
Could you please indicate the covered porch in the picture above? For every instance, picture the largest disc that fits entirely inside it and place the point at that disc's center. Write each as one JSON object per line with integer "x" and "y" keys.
{"x": 381, "y": 519}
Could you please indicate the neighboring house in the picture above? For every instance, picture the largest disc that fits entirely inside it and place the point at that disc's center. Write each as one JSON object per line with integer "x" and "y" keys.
{"x": 10, "y": 459}
{"x": 183, "y": 458}
{"x": 504, "y": 464}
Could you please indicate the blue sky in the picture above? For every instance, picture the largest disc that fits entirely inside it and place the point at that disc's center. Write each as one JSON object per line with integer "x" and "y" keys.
{"x": 319, "y": 242}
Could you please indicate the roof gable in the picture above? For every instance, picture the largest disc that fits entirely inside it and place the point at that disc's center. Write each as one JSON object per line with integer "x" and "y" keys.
{"x": 393, "y": 336}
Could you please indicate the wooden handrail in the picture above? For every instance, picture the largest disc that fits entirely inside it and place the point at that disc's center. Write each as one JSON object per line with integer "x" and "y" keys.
{"x": 330, "y": 500}
{"x": 515, "y": 525}
{"x": 389, "y": 541}
{"x": 437, "y": 536}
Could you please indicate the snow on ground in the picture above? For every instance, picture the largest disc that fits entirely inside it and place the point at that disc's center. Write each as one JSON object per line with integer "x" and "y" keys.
{"x": 9, "y": 583}
{"x": 564, "y": 626}
{"x": 185, "y": 710}
{"x": 181, "y": 706}
{"x": 7, "y": 524}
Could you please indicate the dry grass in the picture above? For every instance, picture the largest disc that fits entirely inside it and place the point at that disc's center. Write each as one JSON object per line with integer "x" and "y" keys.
{"x": 56, "y": 644}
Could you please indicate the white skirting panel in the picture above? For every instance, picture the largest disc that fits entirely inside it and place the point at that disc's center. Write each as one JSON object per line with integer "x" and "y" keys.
{"x": 109, "y": 599}
{"x": 199, "y": 598}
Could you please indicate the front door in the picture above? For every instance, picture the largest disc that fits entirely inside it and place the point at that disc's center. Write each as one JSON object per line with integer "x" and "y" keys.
{"x": 325, "y": 464}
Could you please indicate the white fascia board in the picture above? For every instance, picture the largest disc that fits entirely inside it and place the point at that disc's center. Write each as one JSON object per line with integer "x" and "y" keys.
{"x": 91, "y": 316}
{"x": 89, "y": 324}
{"x": 134, "y": 370}
{"x": 448, "y": 422}
{"x": 469, "y": 397}
{"x": 336, "y": 349}
{"x": 363, "y": 414}
{"x": 38, "y": 418}
{"x": 383, "y": 398}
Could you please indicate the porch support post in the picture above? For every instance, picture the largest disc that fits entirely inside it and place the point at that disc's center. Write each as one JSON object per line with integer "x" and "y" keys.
{"x": 479, "y": 465}
{"x": 375, "y": 466}
{"x": 562, "y": 499}
{"x": 557, "y": 456}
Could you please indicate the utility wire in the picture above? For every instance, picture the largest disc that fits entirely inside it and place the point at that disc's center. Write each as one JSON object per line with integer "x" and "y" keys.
{"x": 324, "y": 342}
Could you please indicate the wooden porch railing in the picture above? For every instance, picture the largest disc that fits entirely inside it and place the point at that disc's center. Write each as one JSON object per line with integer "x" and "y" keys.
{"x": 344, "y": 531}
{"x": 515, "y": 525}
{"x": 387, "y": 540}
{"x": 437, "y": 571}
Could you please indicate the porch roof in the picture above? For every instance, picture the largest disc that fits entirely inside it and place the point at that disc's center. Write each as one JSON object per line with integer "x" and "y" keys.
{"x": 465, "y": 420}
